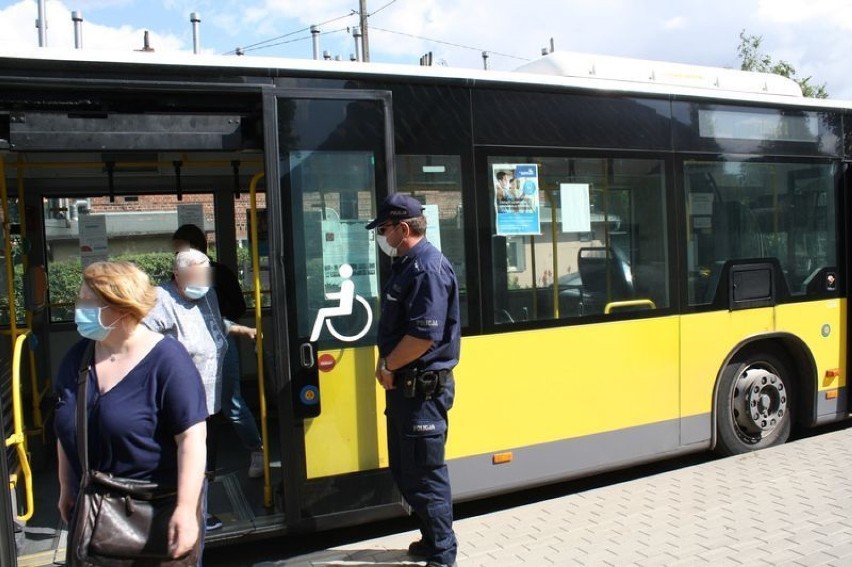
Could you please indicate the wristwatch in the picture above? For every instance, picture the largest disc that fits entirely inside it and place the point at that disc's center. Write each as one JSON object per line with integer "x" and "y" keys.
{"x": 383, "y": 366}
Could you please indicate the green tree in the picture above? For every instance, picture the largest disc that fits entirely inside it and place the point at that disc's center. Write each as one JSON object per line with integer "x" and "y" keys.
{"x": 752, "y": 59}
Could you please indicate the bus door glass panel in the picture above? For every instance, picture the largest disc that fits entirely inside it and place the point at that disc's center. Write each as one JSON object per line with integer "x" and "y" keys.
{"x": 333, "y": 165}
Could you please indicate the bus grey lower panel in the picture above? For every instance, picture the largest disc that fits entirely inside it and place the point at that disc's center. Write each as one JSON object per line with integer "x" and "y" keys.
{"x": 535, "y": 465}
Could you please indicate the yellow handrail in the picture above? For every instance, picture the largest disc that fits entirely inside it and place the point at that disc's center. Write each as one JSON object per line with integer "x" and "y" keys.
{"x": 18, "y": 438}
{"x": 258, "y": 323}
{"x": 632, "y": 303}
{"x": 7, "y": 242}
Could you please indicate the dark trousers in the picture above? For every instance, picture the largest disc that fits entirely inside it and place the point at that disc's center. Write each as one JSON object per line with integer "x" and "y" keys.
{"x": 417, "y": 434}
{"x": 214, "y": 433}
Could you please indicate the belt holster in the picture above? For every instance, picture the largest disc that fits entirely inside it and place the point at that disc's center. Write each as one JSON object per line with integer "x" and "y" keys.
{"x": 428, "y": 383}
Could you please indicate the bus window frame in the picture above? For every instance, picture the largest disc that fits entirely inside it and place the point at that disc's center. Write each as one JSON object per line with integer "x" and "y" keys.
{"x": 486, "y": 228}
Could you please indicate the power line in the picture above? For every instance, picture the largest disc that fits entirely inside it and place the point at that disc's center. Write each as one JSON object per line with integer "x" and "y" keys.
{"x": 458, "y": 45}
{"x": 296, "y": 40}
{"x": 374, "y": 12}
{"x": 261, "y": 44}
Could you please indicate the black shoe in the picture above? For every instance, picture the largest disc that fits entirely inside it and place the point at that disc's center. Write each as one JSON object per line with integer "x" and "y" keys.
{"x": 420, "y": 548}
{"x": 213, "y": 523}
{"x": 436, "y": 564}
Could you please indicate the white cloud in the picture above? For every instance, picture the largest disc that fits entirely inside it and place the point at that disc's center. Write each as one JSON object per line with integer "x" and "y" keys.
{"x": 674, "y": 23}
{"x": 17, "y": 29}
{"x": 839, "y": 12}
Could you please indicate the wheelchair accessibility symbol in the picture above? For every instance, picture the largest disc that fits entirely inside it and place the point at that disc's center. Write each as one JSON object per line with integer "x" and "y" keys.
{"x": 347, "y": 299}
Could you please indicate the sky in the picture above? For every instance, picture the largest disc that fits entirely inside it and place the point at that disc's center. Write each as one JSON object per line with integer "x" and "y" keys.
{"x": 814, "y": 35}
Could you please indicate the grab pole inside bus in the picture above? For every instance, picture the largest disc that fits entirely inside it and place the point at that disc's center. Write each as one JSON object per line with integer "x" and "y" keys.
{"x": 37, "y": 394}
{"x": 18, "y": 438}
{"x": 258, "y": 322}
{"x": 7, "y": 243}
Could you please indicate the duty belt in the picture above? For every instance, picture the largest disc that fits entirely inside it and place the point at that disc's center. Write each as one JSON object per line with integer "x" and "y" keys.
{"x": 427, "y": 382}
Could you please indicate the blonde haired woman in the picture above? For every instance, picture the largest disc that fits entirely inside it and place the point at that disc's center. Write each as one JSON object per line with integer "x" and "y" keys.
{"x": 146, "y": 406}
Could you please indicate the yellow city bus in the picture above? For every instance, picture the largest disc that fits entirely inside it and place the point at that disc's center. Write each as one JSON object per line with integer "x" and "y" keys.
{"x": 651, "y": 261}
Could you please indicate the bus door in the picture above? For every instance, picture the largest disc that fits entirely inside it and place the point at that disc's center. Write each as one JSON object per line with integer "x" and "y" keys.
{"x": 332, "y": 158}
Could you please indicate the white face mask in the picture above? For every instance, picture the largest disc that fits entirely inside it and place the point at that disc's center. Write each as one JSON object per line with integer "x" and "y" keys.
{"x": 386, "y": 248}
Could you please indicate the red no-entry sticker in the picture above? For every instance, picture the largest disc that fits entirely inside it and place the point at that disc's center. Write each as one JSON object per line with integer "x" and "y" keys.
{"x": 326, "y": 362}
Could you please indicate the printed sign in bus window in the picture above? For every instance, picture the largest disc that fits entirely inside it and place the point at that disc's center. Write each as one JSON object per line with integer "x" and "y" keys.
{"x": 516, "y": 199}
{"x": 576, "y": 211}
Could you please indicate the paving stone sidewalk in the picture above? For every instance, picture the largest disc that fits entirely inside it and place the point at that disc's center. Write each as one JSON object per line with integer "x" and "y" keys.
{"x": 790, "y": 505}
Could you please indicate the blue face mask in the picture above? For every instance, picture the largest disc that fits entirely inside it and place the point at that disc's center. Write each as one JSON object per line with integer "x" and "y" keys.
{"x": 89, "y": 324}
{"x": 195, "y": 292}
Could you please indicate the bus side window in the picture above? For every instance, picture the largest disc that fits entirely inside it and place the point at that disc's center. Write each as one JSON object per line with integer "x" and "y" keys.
{"x": 599, "y": 245}
{"x": 436, "y": 182}
{"x": 746, "y": 210}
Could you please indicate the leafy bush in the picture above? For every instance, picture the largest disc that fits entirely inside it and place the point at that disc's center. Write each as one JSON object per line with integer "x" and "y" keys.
{"x": 64, "y": 278}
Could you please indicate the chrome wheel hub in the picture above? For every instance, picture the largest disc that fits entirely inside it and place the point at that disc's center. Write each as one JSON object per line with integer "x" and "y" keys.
{"x": 759, "y": 402}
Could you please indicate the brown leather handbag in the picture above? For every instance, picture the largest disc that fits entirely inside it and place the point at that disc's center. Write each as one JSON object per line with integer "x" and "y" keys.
{"x": 120, "y": 522}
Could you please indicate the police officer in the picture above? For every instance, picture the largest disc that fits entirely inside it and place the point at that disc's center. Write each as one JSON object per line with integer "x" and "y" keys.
{"x": 419, "y": 338}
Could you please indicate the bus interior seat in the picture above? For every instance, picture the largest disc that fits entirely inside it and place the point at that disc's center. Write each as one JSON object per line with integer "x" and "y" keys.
{"x": 606, "y": 276}
{"x": 502, "y": 316}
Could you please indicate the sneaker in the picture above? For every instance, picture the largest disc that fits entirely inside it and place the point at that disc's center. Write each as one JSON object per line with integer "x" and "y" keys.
{"x": 420, "y": 548}
{"x": 256, "y": 466}
{"x": 213, "y": 523}
{"x": 436, "y": 564}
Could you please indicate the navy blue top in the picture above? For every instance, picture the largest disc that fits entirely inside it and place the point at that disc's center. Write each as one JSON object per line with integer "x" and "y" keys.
{"x": 132, "y": 426}
{"x": 421, "y": 299}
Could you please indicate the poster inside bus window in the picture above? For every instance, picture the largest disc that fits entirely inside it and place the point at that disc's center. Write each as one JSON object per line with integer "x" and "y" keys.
{"x": 94, "y": 244}
{"x": 516, "y": 199}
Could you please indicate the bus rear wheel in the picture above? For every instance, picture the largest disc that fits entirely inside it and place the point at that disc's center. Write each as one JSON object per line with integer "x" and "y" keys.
{"x": 755, "y": 403}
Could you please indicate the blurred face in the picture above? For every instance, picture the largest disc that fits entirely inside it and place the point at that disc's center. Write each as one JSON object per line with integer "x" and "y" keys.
{"x": 197, "y": 276}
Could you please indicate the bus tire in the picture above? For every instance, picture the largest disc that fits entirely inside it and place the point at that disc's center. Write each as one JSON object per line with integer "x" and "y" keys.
{"x": 754, "y": 406}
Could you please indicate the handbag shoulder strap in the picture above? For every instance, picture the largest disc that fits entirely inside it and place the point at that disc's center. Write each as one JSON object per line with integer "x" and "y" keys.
{"x": 82, "y": 417}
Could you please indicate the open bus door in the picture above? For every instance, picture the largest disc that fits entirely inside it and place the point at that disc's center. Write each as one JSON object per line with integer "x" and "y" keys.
{"x": 329, "y": 161}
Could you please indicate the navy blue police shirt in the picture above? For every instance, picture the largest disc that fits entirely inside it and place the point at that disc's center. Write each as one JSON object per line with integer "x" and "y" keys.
{"x": 421, "y": 299}
{"x": 132, "y": 427}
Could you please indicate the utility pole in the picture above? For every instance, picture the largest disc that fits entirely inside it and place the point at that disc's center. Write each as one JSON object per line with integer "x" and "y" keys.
{"x": 364, "y": 38}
